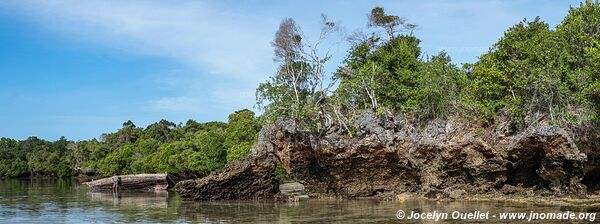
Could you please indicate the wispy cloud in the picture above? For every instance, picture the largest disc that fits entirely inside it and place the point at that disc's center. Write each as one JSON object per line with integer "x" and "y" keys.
{"x": 214, "y": 42}
{"x": 223, "y": 48}
{"x": 178, "y": 104}
{"x": 192, "y": 32}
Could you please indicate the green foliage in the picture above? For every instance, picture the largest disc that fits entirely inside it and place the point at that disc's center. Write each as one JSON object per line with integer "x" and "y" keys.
{"x": 518, "y": 72}
{"x": 380, "y": 74}
{"x": 390, "y": 75}
{"x": 280, "y": 173}
{"x": 390, "y": 23}
{"x": 193, "y": 148}
{"x": 117, "y": 162}
{"x": 287, "y": 91}
{"x": 163, "y": 131}
{"x": 239, "y": 151}
{"x": 579, "y": 30}
{"x": 127, "y": 134}
{"x": 164, "y": 149}
{"x": 242, "y": 131}
{"x": 142, "y": 149}
{"x": 438, "y": 84}
{"x": 46, "y": 158}
{"x": 298, "y": 90}
{"x": 400, "y": 67}
{"x": 12, "y": 162}
{"x": 534, "y": 69}
{"x": 531, "y": 71}
{"x": 212, "y": 154}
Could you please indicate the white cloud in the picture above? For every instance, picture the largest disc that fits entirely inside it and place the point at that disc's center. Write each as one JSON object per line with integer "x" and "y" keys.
{"x": 178, "y": 104}
{"x": 193, "y": 32}
{"x": 216, "y": 43}
{"x": 225, "y": 97}
{"x": 234, "y": 96}
{"x": 230, "y": 49}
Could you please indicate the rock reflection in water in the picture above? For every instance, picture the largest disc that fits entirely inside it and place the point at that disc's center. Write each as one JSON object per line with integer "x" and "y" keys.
{"x": 348, "y": 211}
{"x": 312, "y": 210}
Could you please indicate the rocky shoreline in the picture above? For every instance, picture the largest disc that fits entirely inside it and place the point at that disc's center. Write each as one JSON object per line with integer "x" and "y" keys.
{"x": 393, "y": 155}
{"x": 244, "y": 179}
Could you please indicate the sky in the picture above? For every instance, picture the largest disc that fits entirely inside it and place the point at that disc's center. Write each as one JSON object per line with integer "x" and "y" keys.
{"x": 81, "y": 68}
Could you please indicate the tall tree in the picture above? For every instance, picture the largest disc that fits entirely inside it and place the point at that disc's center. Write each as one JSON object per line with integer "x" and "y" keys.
{"x": 390, "y": 23}
{"x": 299, "y": 87}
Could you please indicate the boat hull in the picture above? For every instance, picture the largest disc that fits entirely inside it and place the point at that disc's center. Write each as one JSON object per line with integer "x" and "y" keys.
{"x": 137, "y": 182}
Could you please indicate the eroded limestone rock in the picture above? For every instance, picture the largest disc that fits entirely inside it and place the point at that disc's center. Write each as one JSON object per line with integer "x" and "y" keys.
{"x": 391, "y": 154}
{"x": 245, "y": 179}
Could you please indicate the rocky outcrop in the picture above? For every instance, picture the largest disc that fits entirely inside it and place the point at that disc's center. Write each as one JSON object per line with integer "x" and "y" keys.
{"x": 392, "y": 155}
{"x": 444, "y": 158}
{"x": 252, "y": 178}
{"x": 547, "y": 158}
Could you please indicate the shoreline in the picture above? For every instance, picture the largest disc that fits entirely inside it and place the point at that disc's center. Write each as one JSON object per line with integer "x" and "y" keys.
{"x": 591, "y": 201}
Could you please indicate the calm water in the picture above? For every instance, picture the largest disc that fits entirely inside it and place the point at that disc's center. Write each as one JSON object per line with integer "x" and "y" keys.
{"x": 65, "y": 201}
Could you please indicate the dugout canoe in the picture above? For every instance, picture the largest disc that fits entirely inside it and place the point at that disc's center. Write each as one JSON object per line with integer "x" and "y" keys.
{"x": 138, "y": 182}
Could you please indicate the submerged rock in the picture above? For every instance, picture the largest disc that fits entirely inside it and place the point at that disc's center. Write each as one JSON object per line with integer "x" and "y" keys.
{"x": 244, "y": 179}
{"x": 292, "y": 191}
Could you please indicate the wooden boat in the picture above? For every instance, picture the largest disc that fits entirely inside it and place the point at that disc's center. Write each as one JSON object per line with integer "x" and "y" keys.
{"x": 139, "y": 182}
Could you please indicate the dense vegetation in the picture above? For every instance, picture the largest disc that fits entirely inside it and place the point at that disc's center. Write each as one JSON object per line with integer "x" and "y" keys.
{"x": 532, "y": 72}
{"x": 186, "y": 149}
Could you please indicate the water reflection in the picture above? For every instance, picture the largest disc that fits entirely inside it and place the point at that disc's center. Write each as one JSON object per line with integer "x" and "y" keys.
{"x": 131, "y": 199}
{"x": 341, "y": 211}
{"x": 65, "y": 201}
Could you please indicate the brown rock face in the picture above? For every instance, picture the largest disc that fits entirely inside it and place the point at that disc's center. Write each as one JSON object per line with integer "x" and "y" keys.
{"x": 245, "y": 179}
{"x": 547, "y": 158}
{"x": 391, "y": 155}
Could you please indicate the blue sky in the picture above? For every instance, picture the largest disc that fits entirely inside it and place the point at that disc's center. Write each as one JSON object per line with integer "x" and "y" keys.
{"x": 81, "y": 68}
